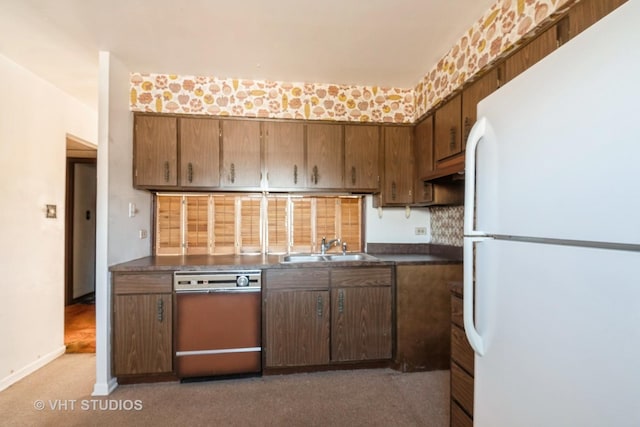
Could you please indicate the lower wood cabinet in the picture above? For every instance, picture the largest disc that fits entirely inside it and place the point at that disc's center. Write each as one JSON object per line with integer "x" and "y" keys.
{"x": 142, "y": 324}
{"x": 320, "y": 316}
{"x": 423, "y": 320}
{"x": 462, "y": 364}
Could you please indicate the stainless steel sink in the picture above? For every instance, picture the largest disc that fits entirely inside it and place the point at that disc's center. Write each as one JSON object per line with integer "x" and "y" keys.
{"x": 327, "y": 258}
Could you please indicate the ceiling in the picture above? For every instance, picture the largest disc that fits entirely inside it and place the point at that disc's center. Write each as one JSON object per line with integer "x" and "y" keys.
{"x": 366, "y": 42}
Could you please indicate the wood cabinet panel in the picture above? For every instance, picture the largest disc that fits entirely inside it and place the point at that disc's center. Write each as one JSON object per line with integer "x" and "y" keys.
{"x": 459, "y": 418}
{"x": 142, "y": 334}
{"x": 461, "y": 351}
{"x": 474, "y": 93}
{"x": 325, "y": 156}
{"x": 398, "y": 166}
{"x": 362, "y": 157}
{"x": 304, "y": 278}
{"x": 361, "y": 323}
{"x": 530, "y": 53}
{"x": 241, "y": 164}
{"x": 423, "y": 148}
{"x": 284, "y": 156}
{"x": 142, "y": 283}
{"x": 155, "y": 152}
{"x": 462, "y": 388}
{"x": 456, "y": 311}
{"x": 199, "y": 152}
{"x": 359, "y": 277}
{"x": 297, "y": 328}
{"x": 447, "y": 132}
{"x": 587, "y": 12}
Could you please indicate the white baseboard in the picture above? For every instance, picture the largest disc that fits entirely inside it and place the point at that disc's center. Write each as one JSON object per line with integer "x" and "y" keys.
{"x": 104, "y": 389}
{"x": 31, "y": 367}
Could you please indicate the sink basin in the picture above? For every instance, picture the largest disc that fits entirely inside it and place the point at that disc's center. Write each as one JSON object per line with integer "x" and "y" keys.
{"x": 327, "y": 258}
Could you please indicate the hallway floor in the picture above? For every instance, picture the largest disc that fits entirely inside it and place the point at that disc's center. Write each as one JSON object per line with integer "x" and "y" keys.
{"x": 80, "y": 327}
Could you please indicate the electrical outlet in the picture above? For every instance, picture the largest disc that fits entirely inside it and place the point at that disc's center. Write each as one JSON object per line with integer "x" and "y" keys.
{"x": 143, "y": 234}
{"x": 421, "y": 231}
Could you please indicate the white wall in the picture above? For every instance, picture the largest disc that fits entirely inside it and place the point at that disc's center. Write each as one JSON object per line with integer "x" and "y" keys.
{"x": 394, "y": 226}
{"x": 117, "y": 233}
{"x": 35, "y": 118}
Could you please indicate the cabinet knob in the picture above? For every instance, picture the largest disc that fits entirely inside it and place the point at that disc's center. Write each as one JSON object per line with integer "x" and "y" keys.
{"x": 233, "y": 173}
{"x": 319, "y": 305}
{"x": 452, "y": 138}
{"x": 314, "y": 176}
{"x": 166, "y": 171}
{"x": 340, "y": 301}
{"x": 190, "y": 172}
{"x": 160, "y": 310}
{"x": 295, "y": 174}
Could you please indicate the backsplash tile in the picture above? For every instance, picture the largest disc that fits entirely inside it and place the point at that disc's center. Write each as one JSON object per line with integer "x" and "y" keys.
{"x": 447, "y": 225}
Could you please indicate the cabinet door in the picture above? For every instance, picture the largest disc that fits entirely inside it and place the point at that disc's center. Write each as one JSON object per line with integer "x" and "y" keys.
{"x": 241, "y": 154}
{"x": 473, "y": 94}
{"x": 361, "y": 157}
{"x": 398, "y": 166}
{"x": 531, "y": 53}
{"x": 199, "y": 153}
{"x": 324, "y": 155}
{"x": 155, "y": 152}
{"x": 297, "y": 328}
{"x": 423, "y": 146}
{"x": 284, "y": 155}
{"x": 587, "y": 12}
{"x": 142, "y": 334}
{"x": 361, "y": 323}
{"x": 447, "y": 134}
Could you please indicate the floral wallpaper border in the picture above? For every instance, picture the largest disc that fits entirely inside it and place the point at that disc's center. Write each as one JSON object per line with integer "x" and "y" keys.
{"x": 494, "y": 34}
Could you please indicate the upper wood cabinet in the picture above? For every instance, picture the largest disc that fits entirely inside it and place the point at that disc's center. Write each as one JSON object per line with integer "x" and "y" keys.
{"x": 397, "y": 187}
{"x": 447, "y": 132}
{"x": 284, "y": 160}
{"x": 472, "y": 94}
{"x": 587, "y": 12}
{"x": 423, "y": 147}
{"x": 530, "y": 53}
{"x": 325, "y": 156}
{"x": 199, "y": 152}
{"x": 241, "y": 166}
{"x": 155, "y": 156}
{"x": 362, "y": 157}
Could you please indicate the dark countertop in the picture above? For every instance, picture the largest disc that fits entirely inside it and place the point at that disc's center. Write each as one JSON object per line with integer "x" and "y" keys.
{"x": 246, "y": 262}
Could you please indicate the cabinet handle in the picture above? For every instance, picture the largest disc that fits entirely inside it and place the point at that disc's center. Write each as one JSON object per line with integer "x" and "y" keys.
{"x": 340, "y": 301}
{"x": 166, "y": 171}
{"x": 160, "y": 310}
{"x": 314, "y": 177}
{"x": 295, "y": 174}
{"x": 353, "y": 175}
{"x": 319, "y": 305}
{"x": 467, "y": 128}
{"x": 452, "y": 138}
{"x": 190, "y": 172}
{"x": 393, "y": 190}
{"x": 233, "y": 173}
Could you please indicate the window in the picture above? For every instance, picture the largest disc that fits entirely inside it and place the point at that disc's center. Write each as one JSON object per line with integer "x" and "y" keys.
{"x": 252, "y": 223}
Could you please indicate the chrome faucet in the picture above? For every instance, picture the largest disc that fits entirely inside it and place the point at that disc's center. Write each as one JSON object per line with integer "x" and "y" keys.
{"x": 326, "y": 245}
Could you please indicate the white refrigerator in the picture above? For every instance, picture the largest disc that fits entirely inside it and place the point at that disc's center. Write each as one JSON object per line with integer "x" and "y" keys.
{"x": 552, "y": 237}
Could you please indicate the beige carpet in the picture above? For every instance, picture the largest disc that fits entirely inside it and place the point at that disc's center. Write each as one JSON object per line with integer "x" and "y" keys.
{"x": 381, "y": 397}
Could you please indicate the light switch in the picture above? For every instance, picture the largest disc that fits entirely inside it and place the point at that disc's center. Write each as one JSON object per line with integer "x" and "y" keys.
{"x": 132, "y": 210}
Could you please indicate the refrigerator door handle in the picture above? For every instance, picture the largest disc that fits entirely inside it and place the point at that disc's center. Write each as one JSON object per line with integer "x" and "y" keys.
{"x": 468, "y": 306}
{"x": 477, "y": 132}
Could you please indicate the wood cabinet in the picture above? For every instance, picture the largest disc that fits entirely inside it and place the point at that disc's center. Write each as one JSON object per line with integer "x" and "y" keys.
{"x": 284, "y": 155}
{"x": 360, "y": 314}
{"x": 587, "y": 12}
{"x": 322, "y": 316}
{"x": 325, "y": 156}
{"x": 447, "y": 130}
{"x": 423, "y": 154}
{"x": 397, "y": 188}
{"x": 423, "y": 319}
{"x": 362, "y": 157}
{"x": 530, "y": 53}
{"x": 155, "y": 155}
{"x": 142, "y": 324}
{"x": 472, "y": 94}
{"x": 462, "y": 364}
{"x": 241, "y": 163}
{"x": 199, "y": 153}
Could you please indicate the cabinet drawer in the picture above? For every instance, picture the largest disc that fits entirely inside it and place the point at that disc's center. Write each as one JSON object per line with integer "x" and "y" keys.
{"x": 456, "y": 311}
{"x": 138, "y": 283}
{"x": 349, "y": 277}
{"x": 461, "y": 351}
{"x": 458, "y": 417}
{"x": 303, "y": 278}
{"x": 462, "y": 388}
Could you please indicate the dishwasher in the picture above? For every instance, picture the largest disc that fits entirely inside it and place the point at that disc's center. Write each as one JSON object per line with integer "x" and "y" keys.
{"x": 218, "y": 323}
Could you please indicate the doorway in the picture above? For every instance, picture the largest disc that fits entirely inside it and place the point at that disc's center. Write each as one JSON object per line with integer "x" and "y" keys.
{"x": 80, "y": 246}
